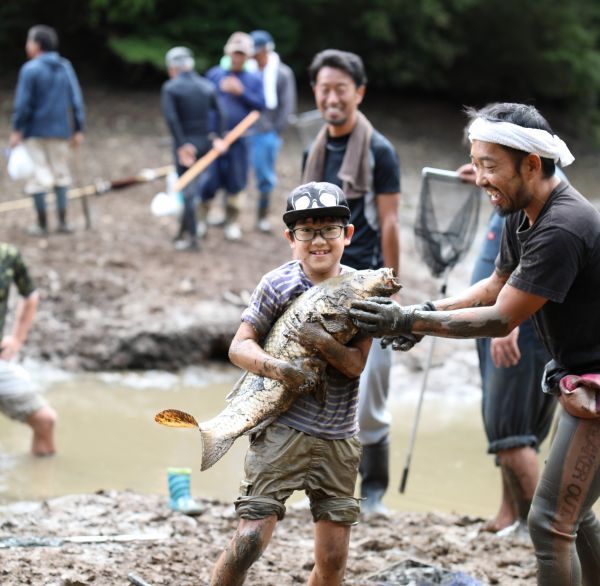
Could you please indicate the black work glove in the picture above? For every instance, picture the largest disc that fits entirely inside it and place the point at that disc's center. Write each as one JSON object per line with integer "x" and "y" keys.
{"x": 405, "y": 342}
{"x": 381, "y": 317}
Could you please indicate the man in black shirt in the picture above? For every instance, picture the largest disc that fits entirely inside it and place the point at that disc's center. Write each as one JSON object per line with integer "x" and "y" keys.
{"x": 548, "y": 268}
{"x": 187, "y": 100}
{"x": 350, "y": 153}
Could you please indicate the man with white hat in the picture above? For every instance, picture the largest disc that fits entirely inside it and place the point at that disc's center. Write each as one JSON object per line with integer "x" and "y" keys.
{"x": 240, "y": 91}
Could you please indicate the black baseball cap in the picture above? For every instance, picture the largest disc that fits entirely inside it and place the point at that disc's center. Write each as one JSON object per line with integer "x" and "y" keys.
{"x": 316, "y": 200}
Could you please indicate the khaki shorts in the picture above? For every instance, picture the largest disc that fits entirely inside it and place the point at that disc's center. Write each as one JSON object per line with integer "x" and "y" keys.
{"x": 19, "y": 398}
{"x": 50, "y": 158}
{"x": 281, "y": 460}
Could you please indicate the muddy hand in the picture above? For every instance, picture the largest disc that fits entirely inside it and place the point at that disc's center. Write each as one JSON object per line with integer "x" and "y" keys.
{"x": 309, "y": 334}
{"x": 305, "y": 375}
{"x": 405, "y": 342}
{"x": 400, "y": 343}
{"x": 381, "y": 317}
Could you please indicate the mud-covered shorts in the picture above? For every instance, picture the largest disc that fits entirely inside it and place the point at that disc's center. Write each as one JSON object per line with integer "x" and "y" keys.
{"x": 281, "y": 460}
{"x": 18, "y": 396}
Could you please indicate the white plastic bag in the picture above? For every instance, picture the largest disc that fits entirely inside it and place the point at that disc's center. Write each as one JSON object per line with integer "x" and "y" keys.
{"x": 167, "y": 204}
{"x": 20, "y": 165}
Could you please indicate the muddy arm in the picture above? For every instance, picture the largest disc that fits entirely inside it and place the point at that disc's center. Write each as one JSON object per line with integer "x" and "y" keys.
{"x": 246, "y": 352}
{"x": 350, "y": 360}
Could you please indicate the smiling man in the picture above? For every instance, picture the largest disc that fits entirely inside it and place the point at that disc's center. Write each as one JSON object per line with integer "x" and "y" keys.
{"x": 548, "y": 268}
{"x": 351, "y": 154}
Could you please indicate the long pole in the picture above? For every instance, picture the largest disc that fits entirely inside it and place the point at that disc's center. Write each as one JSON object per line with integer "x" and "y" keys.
{"x": 203, "y": 162}
{"x": 413, "y": 435}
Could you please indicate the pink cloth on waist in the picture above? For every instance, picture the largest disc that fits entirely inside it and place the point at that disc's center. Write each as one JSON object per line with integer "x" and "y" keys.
{"x": 570, "y": 383}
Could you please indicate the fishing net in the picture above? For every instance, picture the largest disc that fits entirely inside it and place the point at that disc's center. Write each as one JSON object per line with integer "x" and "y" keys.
{"x": 447, "y": 219}
{"x": 307, "y": 125}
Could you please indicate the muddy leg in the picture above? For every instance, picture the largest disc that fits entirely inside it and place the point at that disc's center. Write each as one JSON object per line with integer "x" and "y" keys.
{"x": 507, "y": 514}
{"x": 522, "y": 472}
{"x": 247, "y": 545}
{"x": 331, "y": 553}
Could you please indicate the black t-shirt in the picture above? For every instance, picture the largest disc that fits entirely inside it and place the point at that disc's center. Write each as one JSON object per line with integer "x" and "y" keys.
{"x": 365, "y": 252}
{"x": 559, "y": 258}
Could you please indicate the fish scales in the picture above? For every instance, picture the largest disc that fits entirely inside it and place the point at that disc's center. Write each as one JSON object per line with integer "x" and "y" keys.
{"x": 256, "y": 401}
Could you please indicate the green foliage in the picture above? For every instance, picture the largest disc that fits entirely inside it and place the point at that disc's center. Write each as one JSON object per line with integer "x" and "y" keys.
{"x": 471, "y": 50}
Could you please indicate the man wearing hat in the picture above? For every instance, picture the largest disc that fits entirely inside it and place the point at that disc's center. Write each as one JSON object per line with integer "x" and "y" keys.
{"x": 280, "y": 97}
{"x": 239, "y": 91}
{"x": 187, "y": 100}
{"x": 313, "y": 445}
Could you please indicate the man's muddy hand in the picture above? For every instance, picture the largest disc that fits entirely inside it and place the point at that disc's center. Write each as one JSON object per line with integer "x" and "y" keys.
{"x": 381, "y": 317}
{"x": 406, "y": 342}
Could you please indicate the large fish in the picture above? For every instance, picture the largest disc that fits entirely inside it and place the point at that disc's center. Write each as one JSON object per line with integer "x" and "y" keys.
{"x": 256, "y": 401}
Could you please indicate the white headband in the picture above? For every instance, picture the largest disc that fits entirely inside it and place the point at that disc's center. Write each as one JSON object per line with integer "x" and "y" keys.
{"x": 530, "y": 140}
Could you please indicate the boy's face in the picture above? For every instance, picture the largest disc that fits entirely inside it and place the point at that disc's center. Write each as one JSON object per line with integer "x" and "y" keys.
{"x": 320, "y": 257}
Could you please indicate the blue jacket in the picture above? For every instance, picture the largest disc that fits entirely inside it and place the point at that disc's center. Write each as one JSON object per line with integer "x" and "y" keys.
{"x": 238, "y": 107}
{"x": 48, "y": 98}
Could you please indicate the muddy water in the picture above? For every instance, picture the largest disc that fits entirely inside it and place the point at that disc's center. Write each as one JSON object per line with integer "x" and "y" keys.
{"x": 108, "y": 440}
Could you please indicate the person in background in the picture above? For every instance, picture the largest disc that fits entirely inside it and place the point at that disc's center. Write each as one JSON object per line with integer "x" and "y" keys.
{"x": 279, "y": 86}
{"x": 240, "y": 91}
{"x": 187, "y": 100}
{"x": 548, "y": 269}
{"x": 48, "y": 113}
{"x": 18, "y": 398}
{"x": 516, "y": 415}
{"x": 350, "y": 153}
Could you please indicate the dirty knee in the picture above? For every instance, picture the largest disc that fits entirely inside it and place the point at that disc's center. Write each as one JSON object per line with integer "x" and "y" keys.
{"x": 246, "y": 548}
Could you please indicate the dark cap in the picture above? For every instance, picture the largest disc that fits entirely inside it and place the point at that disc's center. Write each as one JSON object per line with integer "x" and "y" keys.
{"x": 316, "y": 200}
{"x": 262, "y": 40}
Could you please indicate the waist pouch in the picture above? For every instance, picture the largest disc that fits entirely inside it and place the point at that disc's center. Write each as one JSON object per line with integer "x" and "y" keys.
{"x": 580, "y": 395}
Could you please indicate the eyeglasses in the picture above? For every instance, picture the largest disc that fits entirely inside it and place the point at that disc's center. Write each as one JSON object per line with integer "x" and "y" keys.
{"x": 327, "y": 232}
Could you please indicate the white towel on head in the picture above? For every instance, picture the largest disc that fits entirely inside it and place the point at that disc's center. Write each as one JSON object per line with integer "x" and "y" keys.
{"x": 530, "y": 140}
{"x": 270, "y": 80}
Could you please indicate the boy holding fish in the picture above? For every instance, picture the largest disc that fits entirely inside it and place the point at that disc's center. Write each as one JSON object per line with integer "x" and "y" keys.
{"x": 313, "y": 445}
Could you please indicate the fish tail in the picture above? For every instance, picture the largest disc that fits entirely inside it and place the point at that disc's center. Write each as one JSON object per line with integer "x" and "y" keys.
{"x": 214, "y": 447}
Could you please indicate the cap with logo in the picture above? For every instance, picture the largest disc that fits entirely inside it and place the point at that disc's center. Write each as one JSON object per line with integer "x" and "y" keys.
{"x": 316, "y": 200}
{"x": 239, "y": 42}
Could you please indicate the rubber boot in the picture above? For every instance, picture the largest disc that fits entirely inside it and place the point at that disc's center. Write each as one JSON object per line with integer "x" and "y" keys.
{"x": 202, "y": 219}
{"x": 262, "y": 222}
{"x": 61, "y": 206}
{"x": 179, "y": 492}
{"x": 41, "y": 228}
{"x": 374, "y": 472}
{"x": 232, "y": 212}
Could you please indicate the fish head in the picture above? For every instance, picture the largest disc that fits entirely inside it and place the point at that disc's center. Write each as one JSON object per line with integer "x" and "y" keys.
{"x": 376, "y": 283}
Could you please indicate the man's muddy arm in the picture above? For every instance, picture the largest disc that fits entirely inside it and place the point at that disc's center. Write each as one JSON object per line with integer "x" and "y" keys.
{"x": 481, "y": 294}
{"x": 512, "y": 307}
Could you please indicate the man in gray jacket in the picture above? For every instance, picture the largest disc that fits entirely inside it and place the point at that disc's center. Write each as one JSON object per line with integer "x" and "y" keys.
{"x": 280, "y": 97}
{"x": 48, "y": 112}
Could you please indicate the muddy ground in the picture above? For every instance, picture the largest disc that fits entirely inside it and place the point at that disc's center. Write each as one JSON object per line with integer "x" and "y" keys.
{"x": 181, "y": 550}
{"x": 119, "y": 297}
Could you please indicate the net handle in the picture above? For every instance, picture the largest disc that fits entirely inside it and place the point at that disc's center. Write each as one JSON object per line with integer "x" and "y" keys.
{"x": 443, "y": 174}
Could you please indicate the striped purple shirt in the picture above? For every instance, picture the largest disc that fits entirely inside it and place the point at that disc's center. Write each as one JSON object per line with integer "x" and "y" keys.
{"x": 336, "y": 417}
